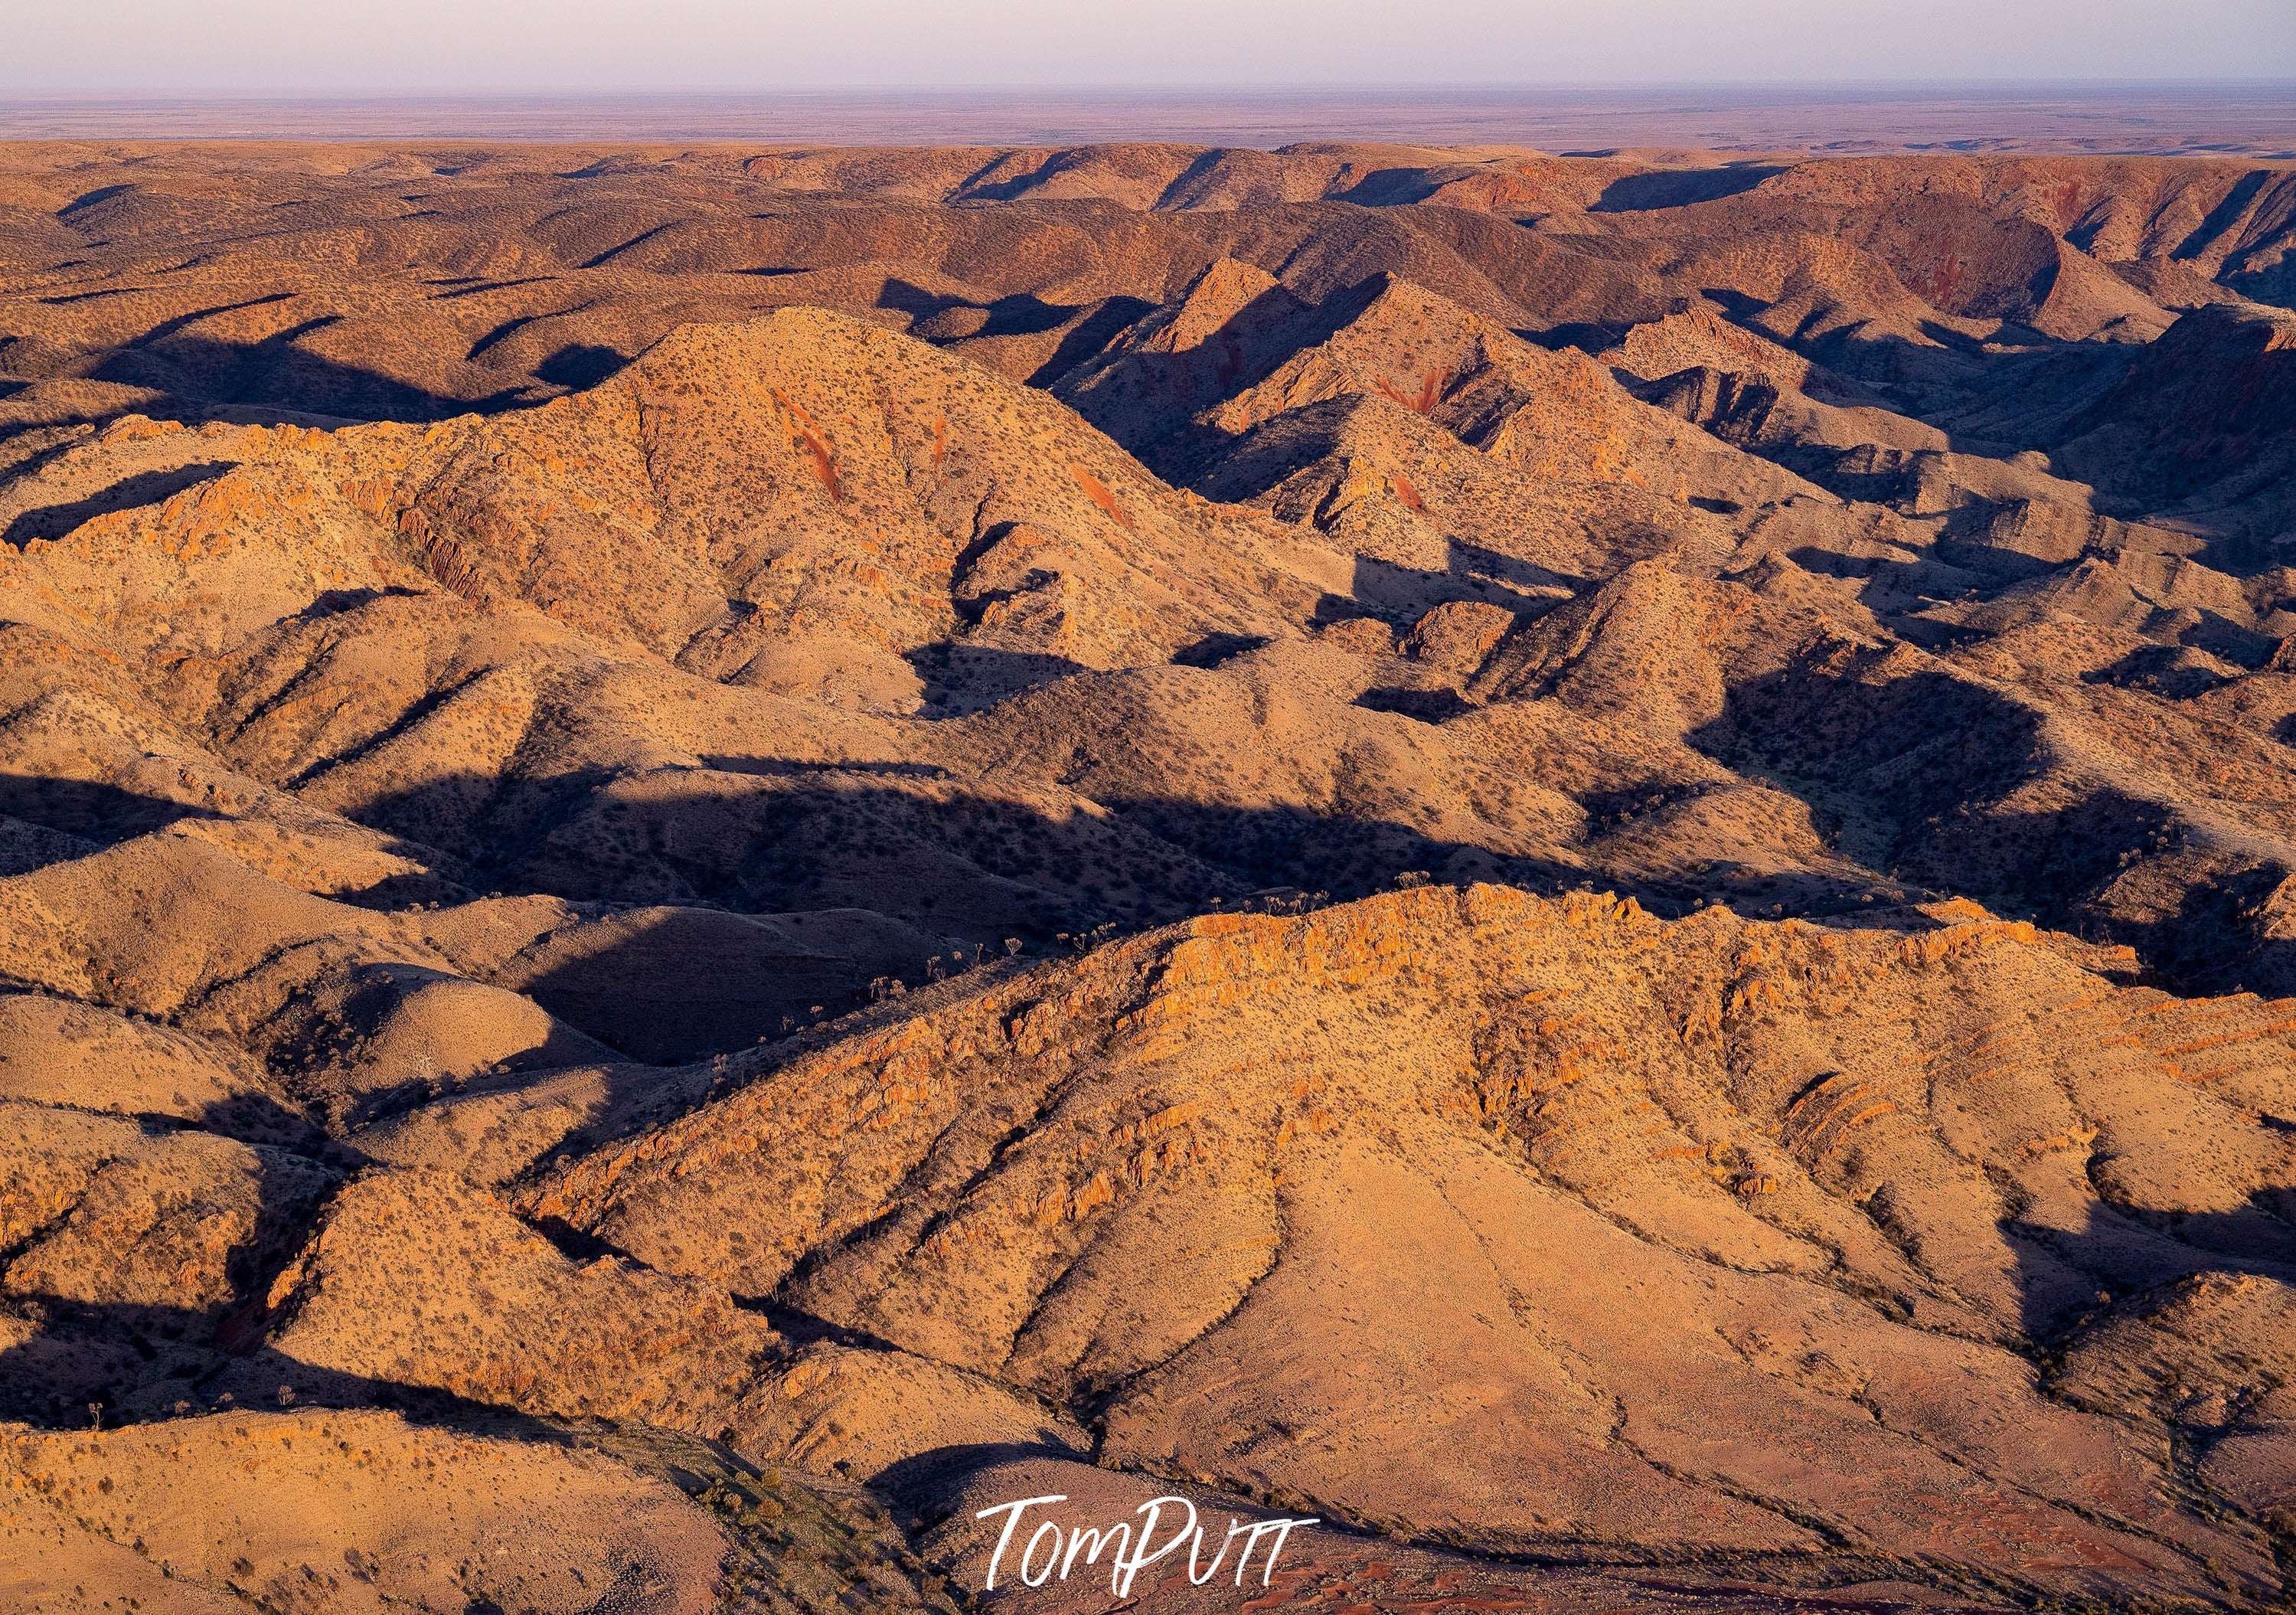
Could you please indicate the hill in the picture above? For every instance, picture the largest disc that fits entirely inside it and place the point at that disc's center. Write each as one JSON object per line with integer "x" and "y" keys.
{"x": 1582, "y": 863}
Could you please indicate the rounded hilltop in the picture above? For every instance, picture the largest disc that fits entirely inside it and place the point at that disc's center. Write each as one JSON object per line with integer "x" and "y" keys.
{"x": 715, "y": 856}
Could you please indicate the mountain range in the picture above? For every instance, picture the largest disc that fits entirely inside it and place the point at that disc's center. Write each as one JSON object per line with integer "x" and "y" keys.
{"x": 710, "y": 855}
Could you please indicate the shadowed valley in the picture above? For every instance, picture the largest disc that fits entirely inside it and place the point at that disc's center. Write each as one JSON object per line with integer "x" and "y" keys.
{"x": 710, "y": 855}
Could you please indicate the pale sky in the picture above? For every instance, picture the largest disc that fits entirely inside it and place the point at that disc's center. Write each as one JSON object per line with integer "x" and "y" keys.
{"x": 545, "y": 45}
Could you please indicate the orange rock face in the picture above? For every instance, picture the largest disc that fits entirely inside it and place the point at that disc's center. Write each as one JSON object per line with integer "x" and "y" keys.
{"x": 709, "y": 861}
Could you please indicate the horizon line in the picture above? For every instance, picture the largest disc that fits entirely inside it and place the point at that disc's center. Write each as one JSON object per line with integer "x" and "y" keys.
{"x": 2285, "y": 82}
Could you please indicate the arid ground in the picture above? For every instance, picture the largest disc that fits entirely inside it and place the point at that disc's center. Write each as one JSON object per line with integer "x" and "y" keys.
{"x": 711, "y": 853}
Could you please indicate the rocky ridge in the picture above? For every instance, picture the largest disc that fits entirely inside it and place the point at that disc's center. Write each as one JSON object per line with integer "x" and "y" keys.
{"x": 1579, "y": 862}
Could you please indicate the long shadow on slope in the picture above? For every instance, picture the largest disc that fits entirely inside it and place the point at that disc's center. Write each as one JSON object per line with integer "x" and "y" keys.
{"x": 923, "y": 1491}
{"x": 80, "y": 1363}
{"x": 1680, "y": 187}
{"x": 197, "y": 375}
{"x": 1017, "y": 314}
{"x": 94, "y": 812}
{"x": 579, "y": 365}
{"x": 797, "y": 1532}
{"x": 113, "y": 1364}
{"x": 1916, "y": 775}
{"x": 145, "y": 487}
{"x": 1471, "y": 572}
{"x": 961, "y": 678}
{"x": 1091, "y": 336}
{"x": 2070, "y": 1278}
{"x": 2210, "y": 941}
{"x": 1910, "y": 748}
{"x": 2274, "y": 284}
{"x": 1987, "y": 402}
{"x": 1253, "y": 342}
{"x": 70, "y": 1355}
{"x": 58, "y": 819}
{"x": 692, "y": 982}
{"x": 966, "y": 862}
{"x": 955, "y": 859}
{"x": 1346, "y": 857}
{"x": 1993, "y": 404}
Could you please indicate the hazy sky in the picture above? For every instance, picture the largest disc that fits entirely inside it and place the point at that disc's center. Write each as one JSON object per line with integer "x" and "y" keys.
{"x": 333, "y": 44}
